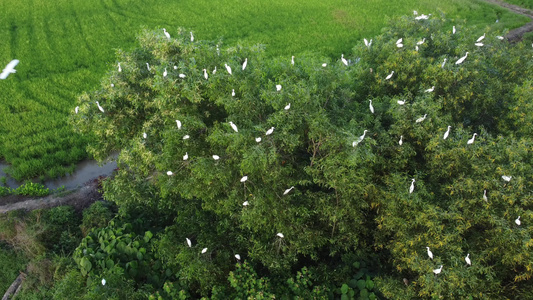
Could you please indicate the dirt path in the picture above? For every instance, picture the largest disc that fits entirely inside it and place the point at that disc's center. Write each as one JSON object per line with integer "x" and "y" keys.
{"x": 515, "y": 35}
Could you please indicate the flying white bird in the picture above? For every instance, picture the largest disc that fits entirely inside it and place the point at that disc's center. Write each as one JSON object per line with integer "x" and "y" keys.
{"x": 244, "y": 64}
{"x": 467, "y": 259}
{"x": 443, "y": 63}
{"x": 99, "y": 107}
{"x": 182, "y": 75}
{"x": 144, "y": 135}
{"x": 437, "y": 271}
{"x": 228, "y": 68}
{"x": 204, "y": 250}
{"x": 233, "y": 126}
{"x": 447, "y": 133}
{"x": 103, "y": 281}
{"x": 401, "y": 102}
{"x": 453, "y": 30}
{"x": 278, "y": 87}
{"x": 215, "y": 70}
{"x": 186, "y": 137}
{"x": 288, "y": 190}
{"x": 287, "y": 107}
{"x": 430, "y": 90}
{"x": 292, "y": 60}
{"x": 244, "y": 178}
{"x": 324, "y": 65}
{"x": 165, "y": 73}
{"x": 481, "y": 38}
{"x": 421, "y": 119}
{"x": 192, "y": 37}
{"x": 245, "y": 203}
{"x": 421, "y": 42}
{"x": 479, "y": 44}
{"x": 186, "y": 156}
{"x": 188, "y": 242}
{"x": 471, "y": 141}
{"x": 411, "y": 190}
{"x": 9, "y": 69}
{"x": 178, "y": 123}
{"x": 355, "y": 143}
{"x": 166, "y": 33}
{"x": 148, "y": 66}
{"x": 389, "y": 76}
{"x": 77, "y": 109}
{"x": 430, "y": 254}
{"x": 370, "y": 106}
{"x": 280, "y": 235}
{"x": 169, "y": 173}
{"x": 460, "y": 60}
{"x": 507, "y": 178}
{"x": 517, "y": 221}
{"x": 216, "y": 157}
{"x": 269, "y": 132}
{"x": 205, "y": 74}
{"x": 485, "y": 195}
{"x": 119, "y": 68}
{"x": 344, "y": 61}
{"x": 400, "y": 142}
{"x": 232, "y": 92}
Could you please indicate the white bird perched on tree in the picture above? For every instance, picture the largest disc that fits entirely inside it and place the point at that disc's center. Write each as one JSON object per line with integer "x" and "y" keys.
{"x": 99, "y": 107}
{"x": 232, "y": 92}
{"x": 237, "y": 256}
{"x": 204, "y": 250}
{"x": 446, "y": 133}
{"x": 460, "y": 60}
{"x": 324, "y": 65}
{"x": 437, "y": 271}
{"x": 399, "y": 41}
{"x": 430, "y": 254}
{"x": 119, "y": 68}
{"x": 278, "y": 87}
{"x": 77, "y": 109}
{"x": 182, "y": 75}
{"x": 244, "y": 64}
{"x": 499, "y": 37}
{"x": 215, "y": 70}
{"x": 188, "y": 242}
{"x": 292, "y": 60}
{"x": 218, "y": 51}
{"x": 355, "y": 143}
{"x": 481, "y": 38}
{"x": 216, "y": 157}
{"x": 415, "y": 12}
{"x": 416, "y": 48}
{"x": 269, "y": 132}
{"x": 401, "y": 102}
{"x": 192, "y": 37}
{"x": 280, "y": 235}
{"x": 453, "y": 30}
{"x": 244, "y": 178}
{"x": 370, "y": 106}
{"x": 421, "y": 42}
{"x": 148, "y": 66}
{"x": 400, "y": 142}
{"x": 169, "y": 173}
{"x": 165, "y": 73}
{"x": 467, "y": 259}
{"x": 367, "y": 43}
{"x": 205, "y": 74}
{"x": 430, "y": 90}
{"x": 287, "y": 107}
{"x": 245, "y": 203}
{"x": 517, "y": 221}
{"x": 112, "y": 85}
{"x": 471, "y": 141}
{"x": 485, "y": 195}
{"x": 233, "y": 126}
{"x": 166, "y": 33}
{"x": 507, "y": 178}
{"x": 421, "y": 118}
{"x": 411, "y": 190}
{"x": 186, "y": 156}
{"x": 422, "y": 17}
{"x": 186, "y": 137}
{"x": 258, "y": 139}
{"x": 344, "y": 61}
{"x": 288, "y": 190}
{"x": 389, "y": 76}
{"x": 228, "y": 68}
{"x": 443, "y": 63}
{"x": 103, "y": 281}
{"x": 175, "y": 67}
{"x": 178, "y": 123}
{"x": 144, "y": 135}
{"x": 479, "y": 44}
{"x": 9, "y": 69}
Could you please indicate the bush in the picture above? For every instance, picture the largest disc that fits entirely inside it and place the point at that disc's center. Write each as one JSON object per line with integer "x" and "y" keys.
{"x": 96, "y": 216}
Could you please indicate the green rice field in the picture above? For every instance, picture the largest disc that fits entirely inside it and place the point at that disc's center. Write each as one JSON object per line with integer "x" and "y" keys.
{"x": 65, "y": 47}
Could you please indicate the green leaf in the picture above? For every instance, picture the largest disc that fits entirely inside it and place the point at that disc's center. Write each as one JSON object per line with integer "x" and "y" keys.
{"x": 369, "y": 284}
{"x": 344, "y": 288}
{"x": 361, "y": 284}
{"x": 147, "y": 236}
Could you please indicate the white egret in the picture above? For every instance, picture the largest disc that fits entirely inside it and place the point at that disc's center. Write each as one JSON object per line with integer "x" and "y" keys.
{"x": 447, "y": 133}
{"x": 287, "y": 107}
{"x": 218, "y": 51}
{"x": 324, "y": 65}
{"x": 148, "y": 66}
{"x": 258, "y": 139}
{"x": 186, "y": 156}
{"x": 215, "y": 70}
{"x": 481, "y": 38}
{"x": 443, "y": 63}
{"x": 204, "y": 250}
{"x": 485, "y": 195}
{"x": 517, "y": 221}
{"x": 399, "y": 45}
{"x": 421, "y": 42}
{"x": 237, "y": 256}
{"x": 99, "y": 107}
{"x": 119, "y": 68}
{"x": 479, "y": 44}
{"x": 269, "y": 132}
{"x": 228, "y": 68}
{"x": 389, "y": 76}
{"x": 216, "y": 157}
{"x": 453, "y": 30}
{"x": 245, "y": 203}
{"x": 421, "y": 118}
{"x": 182, "y": 75}
{"x": 422, "y": 17}
{"x": 399, "y": 41}
{"x": 471, "y": 141}
{"x": 499, "y": 37}
{"x": 175, "y": 67}
{"x": 233, "y": 126}
{"x": 467, "y": 259}
{"x": 244, "y": 178}
{"x": 430, "y": 90}
{"x": 366, "y": 43}
{"x": 401, "y": 102}
{"x": 178, "y": 123}
{"x": 192, "y": 37}
{"x": 370, "y": 106}
{"x": 232, "y": 92}
{"x": 437, "y": 271}
{"x": 103, "y": 281}
{"x": 112, "y": 85}
{"x": 188, "y": 242}
{"x": 416, "y": 48}
{"x": 280, "y": 235}
{"x": 278, "y": 87}
{"x": 415, "y": 12}
{"x": 186, "y": 137}
{"x": 411, "y": 190}
{"x": 292, "y": 60}
{"x": 9, "y": 69}
{"x": 288, "y": 190}
{"x": 400, "y": 142}
{"x": 355, "y": 143}
{"x": 460, "y": 60}
{"x": 165, "y": 73}
{"x": 205, "y": 74}
{"x": 169, "y": 173}
{"x": 244, "y": 64}
{"x": 77, "y": 109}
{"x": 507, "y": 178}
{"x": 344, "y": 61}
{"x": 430, "y": 254}
{"x": 166, "y": 33}
{"x": 144, "y": 135}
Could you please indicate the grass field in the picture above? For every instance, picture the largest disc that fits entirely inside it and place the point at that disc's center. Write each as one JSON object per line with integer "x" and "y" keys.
{"x": 522, "y": 3}
{"x": 65, "y": 47}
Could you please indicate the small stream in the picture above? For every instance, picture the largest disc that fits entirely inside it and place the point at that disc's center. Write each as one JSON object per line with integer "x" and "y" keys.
{"x": 85, "y": 171}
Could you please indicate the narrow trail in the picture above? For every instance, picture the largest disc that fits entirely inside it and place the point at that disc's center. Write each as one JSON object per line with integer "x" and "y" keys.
{"x": 515, "y": 35}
